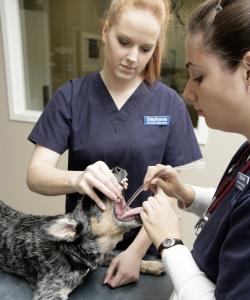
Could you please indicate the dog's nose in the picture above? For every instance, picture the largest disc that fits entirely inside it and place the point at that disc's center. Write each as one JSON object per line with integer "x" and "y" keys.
{"x": 117, "y": 170}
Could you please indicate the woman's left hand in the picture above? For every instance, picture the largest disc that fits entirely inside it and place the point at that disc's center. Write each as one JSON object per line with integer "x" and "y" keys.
{"x": 124, "y": 269}
{"x": 159, "y": 219}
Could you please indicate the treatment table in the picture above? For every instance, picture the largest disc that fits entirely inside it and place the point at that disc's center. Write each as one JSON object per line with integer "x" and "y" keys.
{"x": 147, "y": 288}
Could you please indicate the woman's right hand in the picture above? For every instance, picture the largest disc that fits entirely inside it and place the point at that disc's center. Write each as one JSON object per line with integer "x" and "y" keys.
{"x": 97, "y": 176}
{"x": 168, "y": 179}
{"x": 160, "y": 219}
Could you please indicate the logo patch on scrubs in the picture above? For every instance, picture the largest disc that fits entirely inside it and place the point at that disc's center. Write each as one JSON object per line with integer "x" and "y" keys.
{"x": 157, "y": 120}
{"x": 242, "y": 181}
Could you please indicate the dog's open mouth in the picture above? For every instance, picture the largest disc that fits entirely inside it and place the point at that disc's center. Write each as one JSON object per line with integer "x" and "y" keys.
{"x": 121, "y": 211}
{"x": 124, "y": 213}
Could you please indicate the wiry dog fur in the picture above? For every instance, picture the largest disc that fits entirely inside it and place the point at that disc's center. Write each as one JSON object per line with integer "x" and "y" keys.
{"x": 55, "y": 253}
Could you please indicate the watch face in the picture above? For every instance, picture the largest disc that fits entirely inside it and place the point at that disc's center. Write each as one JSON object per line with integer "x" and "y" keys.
{"x": 168, "y": 243}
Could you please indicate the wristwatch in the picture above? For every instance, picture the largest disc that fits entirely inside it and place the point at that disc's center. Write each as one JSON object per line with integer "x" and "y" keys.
{"x": 168, "y": 243}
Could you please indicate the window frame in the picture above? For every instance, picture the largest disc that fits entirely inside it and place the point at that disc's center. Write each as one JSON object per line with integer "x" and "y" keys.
{"x": 14, "y": 67}
{"x": 14, "y": 62}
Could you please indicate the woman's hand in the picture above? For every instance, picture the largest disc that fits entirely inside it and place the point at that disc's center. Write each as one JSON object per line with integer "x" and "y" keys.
{"x": 45, "y": 178}
{"x": 124, "y": 269}
{"x": 168, "y": 179}
{"x": 159, "y": 219}
{"x": 97, "y": 176}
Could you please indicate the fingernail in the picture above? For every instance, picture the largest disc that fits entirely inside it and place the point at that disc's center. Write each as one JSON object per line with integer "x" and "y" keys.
{"x": 103, "y": 207}
{"x": 114, "y": 198}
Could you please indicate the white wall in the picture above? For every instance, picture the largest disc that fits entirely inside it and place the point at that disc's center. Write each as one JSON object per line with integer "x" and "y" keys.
{"x": 15, "y": 152}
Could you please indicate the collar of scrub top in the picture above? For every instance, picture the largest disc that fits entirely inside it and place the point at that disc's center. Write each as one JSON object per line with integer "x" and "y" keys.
{"x": 243, "y": 166}
{"x": 240, "y": 164}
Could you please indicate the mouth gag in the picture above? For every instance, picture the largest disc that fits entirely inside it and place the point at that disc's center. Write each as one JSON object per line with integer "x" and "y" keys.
{"x": 194, "y": 165}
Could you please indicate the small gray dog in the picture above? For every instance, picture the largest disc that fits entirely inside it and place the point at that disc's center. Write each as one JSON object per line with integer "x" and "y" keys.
{"x": 55, "y": 253}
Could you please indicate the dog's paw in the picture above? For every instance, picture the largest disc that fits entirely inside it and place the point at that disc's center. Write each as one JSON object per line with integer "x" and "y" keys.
{"x": 152, "y": 267}
{"x": 108, "y": 258}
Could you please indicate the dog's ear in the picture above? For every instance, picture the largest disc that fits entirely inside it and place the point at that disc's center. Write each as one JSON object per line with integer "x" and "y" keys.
{"x": 63, "y": 229}
{"x": 86, "y": 208}
{"x": 86, "y": 204}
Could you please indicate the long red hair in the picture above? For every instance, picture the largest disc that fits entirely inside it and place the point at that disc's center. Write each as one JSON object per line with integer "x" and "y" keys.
{"x": 161, "y": 10}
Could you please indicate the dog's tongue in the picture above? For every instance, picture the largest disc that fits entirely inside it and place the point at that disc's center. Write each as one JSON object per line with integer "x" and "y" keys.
{"x": 131, "y": 212}
{"x": 123, "y": 211}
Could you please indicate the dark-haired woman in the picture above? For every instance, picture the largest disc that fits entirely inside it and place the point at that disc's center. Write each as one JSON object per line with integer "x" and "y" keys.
{"x": 218, "y": 62}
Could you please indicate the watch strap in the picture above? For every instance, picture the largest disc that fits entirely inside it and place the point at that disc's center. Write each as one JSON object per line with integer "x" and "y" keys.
{"x": 168, "y": 243}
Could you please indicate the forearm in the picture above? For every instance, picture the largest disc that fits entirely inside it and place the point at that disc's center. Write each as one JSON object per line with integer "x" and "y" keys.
{"x": 141, "y": 243}
{"x": 48, "y": 180}
{"x": 188, "y": 280}
{"x": 202, "y": 199}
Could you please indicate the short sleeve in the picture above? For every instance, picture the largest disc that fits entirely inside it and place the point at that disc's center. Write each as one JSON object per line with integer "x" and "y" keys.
{"x": 53, "y": 127}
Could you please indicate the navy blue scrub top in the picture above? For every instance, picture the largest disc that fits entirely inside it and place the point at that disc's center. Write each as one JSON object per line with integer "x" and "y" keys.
{"x": 222, "y": 249}
{"x": 82, "y": 117}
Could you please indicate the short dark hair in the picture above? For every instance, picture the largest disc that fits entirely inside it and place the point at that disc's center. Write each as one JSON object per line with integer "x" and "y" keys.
{"x": 225, "y": 28}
